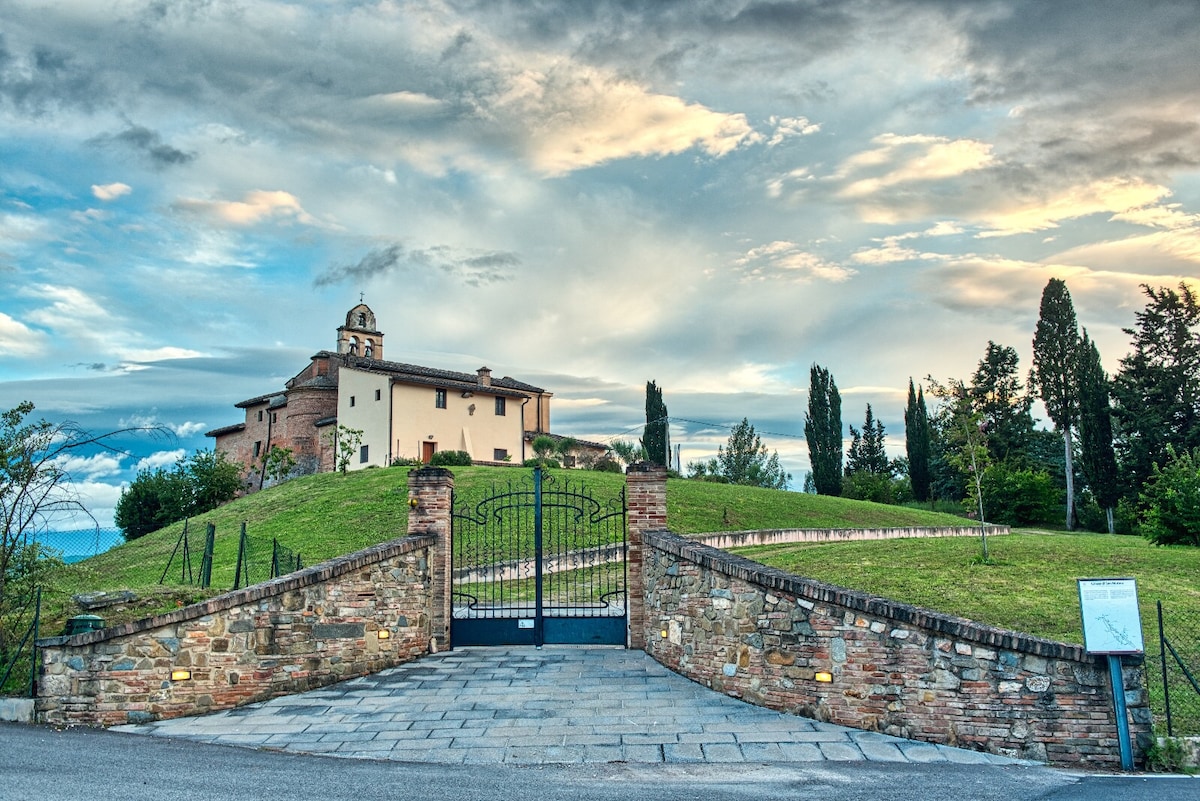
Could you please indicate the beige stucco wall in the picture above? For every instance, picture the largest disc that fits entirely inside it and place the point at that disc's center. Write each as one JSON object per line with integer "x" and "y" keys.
{"x": 367, "y": 414}
{"x": 415, "y": 419}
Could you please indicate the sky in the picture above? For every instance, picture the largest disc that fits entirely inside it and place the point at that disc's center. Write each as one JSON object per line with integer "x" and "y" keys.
{"x": 584, "y": 196}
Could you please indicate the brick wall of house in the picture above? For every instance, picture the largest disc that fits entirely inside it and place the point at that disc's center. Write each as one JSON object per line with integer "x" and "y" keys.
{"x": 763, "y": 635}
{"x": 304, "y": 630}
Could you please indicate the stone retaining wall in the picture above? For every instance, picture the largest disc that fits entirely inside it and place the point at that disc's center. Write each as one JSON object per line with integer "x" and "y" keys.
{"x": 763, "y": 635}
{"x": 314, "y": 627}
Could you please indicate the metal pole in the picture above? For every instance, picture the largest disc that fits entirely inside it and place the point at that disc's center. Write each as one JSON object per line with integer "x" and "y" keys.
{"x": 33, "y": 660}
{"x": 241, "y": 558}
{"x": 1162, "y": 656}
{"x": 1118, "y": 691}
{"x": 538, "y": 621}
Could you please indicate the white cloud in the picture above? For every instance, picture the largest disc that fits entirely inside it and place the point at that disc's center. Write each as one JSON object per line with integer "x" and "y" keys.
{"x": 789, "y": 127}
{"x": 18, "y": 339}
{"x": 95, "y": 466}
{"x": 1106, "y": 195}
{"x": 187, "y": 429}
{"x": 911, "y": 159}
{"x": 110, "y": 191}
{"x": 255, "y": 207}
{"x": 787, "y": 261}
{"x": 160, "y": 459}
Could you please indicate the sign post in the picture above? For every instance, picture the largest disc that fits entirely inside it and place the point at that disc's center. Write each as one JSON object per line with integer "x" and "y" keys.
{"x": 1112, "y": 626}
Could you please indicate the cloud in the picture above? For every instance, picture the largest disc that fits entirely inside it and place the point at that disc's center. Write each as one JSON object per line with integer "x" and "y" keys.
{"x": 160, "y": 459}
{"x": 110, "y": 191}
{"x": 790, "y": 127}
{"x": 787, "y": 261}
{"x": 1098, "y": 197}
{"x": 91, "y": 467}
{"x": 147, "y": 144}
{"x": 257, "y": 206}
{"x": 902, "y": 160}
{"x": 18, "y": 339}
{"x": 471, "y": 268}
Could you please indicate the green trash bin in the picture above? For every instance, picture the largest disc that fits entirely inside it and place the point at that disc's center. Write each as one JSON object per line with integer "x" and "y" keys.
{"x": 83, "y": 623}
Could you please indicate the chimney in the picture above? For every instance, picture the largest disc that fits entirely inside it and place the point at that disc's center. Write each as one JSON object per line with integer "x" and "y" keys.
{"x": 485, "y": 377}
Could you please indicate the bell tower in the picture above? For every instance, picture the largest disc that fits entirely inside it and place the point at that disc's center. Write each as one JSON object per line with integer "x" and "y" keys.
{"x": 359, "y": 336}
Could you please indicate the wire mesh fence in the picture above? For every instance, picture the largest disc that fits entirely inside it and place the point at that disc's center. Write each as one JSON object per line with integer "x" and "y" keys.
{"x": 77, "y": 545}
{"x": 1173, "y": 670}
{"x": 258, "y": 559}
{"x": 18, "y": 632}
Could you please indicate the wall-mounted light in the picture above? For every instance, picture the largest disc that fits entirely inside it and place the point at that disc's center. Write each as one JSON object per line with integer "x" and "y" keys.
{"x": 181, "y": 675}
{"x": 413, "y": 502}
{"x": 824, "y": 676}
{"x": 384, "y": 634}
{"x": 468, "y": 394}
{"x": 430, "y": 436}
{"x": 664, "y": 633}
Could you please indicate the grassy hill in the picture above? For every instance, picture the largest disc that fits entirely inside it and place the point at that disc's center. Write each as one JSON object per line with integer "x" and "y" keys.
{"x": 331, "y": 514}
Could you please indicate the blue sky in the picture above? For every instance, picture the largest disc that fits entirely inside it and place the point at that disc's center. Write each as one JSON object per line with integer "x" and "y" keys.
{"x": 713, "y": 195}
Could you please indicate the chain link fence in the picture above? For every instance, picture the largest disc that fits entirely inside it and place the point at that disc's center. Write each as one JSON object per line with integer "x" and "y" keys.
{"x": 1173, "y": 670}
{"x": 75, "y": 546}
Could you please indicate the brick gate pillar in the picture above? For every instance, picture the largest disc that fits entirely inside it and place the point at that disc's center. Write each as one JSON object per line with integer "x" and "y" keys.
{"x": 646, "y": 501}
{"x": 430, "y": 494}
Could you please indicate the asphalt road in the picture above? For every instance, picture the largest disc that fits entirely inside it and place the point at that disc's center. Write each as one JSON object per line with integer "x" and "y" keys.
{"x": 39, "y": 763}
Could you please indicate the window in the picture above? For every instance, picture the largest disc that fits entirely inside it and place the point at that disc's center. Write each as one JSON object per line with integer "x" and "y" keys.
{"x": 439, "y": 398}
{"x": 499, "y": 407}
{"x": 362, "y": 455}
{"x": 378, "y": 394}
{"x": 274, "y": 418}
{"x": 369, "y": 348}
{"x": 351, "y": 400}
{"x": 362, "y": 319}
{"x": 260, "y": 415}
{"x": 499, "y": 454}
{"x": 353, "y": 346}
{"x": 257, "y": 449}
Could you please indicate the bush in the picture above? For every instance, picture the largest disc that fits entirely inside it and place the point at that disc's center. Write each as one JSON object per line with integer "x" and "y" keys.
{"x": 864, "y": 486}
{"x": 1020, "y": 497}
{"x": 450, "y": 459}
{"x": 547, "y": 462}
{"x": 156, "y": 498}
{"x": 607, "y": 465}
{"x": 1170, "y": 501}
{"x": 406, "y": 461}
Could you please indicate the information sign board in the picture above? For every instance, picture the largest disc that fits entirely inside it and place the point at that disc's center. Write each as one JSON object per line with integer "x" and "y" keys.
{"x": 1111, "y": 623}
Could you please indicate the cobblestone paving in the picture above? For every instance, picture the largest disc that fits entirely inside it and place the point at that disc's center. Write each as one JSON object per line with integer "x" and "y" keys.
{"x": 530, "y": 706}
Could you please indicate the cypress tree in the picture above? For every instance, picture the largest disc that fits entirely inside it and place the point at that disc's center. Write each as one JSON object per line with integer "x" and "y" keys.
{"x": 917, "y": 443}
{"x": 1054, "y": 374}
{"x": 656, "y": 437}
{"x": 1096, "y": 455}
{"x": 823, "y": 431}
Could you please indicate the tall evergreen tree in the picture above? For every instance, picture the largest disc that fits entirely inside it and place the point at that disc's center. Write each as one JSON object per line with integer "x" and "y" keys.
{"x": 1157, "y": 390}
{"x": 1054, "y": 373}
{"x": 917, "y": 443}
{"x": 744, "y": 460}
{"x": 996, "y": 392}
{"x": 1096, "y": 455}
{"x": 823, "y": 431}
{"x": 656, "y": 437}
{"x": 867, "y": 453}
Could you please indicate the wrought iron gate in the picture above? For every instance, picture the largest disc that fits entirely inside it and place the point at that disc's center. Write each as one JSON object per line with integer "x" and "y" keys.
{"x": 541, "y": 562}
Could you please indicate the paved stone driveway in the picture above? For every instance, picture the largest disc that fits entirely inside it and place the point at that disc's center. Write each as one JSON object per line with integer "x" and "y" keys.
{"x": 530, "y": 706}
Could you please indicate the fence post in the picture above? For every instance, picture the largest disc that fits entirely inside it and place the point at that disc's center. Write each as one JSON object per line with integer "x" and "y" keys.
{"x": 430, "y": 494}
{"x": 241, "y": 560}
{"x": 33, "y": 652}
{"x": 1162, "y": 656}
{"x": 210, "y": 536}
{"x": 646, "y": 500}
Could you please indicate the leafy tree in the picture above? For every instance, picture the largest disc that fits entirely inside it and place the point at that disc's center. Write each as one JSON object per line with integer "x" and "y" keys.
{"x": 36, "y": 489}
{"x": 628, "y": 452}
{"x": 155, "y": 498}
{"x": 997, "y": 394}
{"x": 213, "y": 479}
{"x": 346, "y": 442}
{"x": 823, "y": 431}
{"x": 1096, "y": 455}
{"x": 969, "y": 452}
{"x": 1020, "y": 496}
{"x": 278, "y": 464}
{"x": 565, "y": 447}
{"x": 917, "y": 443}
{"x": 1157, "y": 390}
{"x": 1055, "y": 374}
{"x": 867, "y": 453}
{"x": 656, "y": 437}
{"x": 1170, "y": 500}
{"x": 744, "y": 460}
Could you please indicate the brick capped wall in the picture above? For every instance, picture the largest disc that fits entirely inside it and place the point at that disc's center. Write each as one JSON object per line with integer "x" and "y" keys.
{"x": 762, "y": 635}
{"x": 304, "y": 630}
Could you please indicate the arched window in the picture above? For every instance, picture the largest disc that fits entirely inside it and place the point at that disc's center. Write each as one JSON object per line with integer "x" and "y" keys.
{"x": 362, "y": 319}
{"x": 353, "y": 349}
{"x": 369, "y": 348}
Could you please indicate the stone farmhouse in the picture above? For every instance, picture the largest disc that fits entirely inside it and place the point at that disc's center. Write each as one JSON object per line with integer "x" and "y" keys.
{"x": 403, "y": 410}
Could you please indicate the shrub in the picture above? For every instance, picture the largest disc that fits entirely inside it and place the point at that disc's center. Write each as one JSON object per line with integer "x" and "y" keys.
{"x": 547, "y": 462}
{"x": 607, "y": 465}
{"x": 1020, "y": 497}
{"x": 1170, "y": 501}
{"x": 864, "y": 486}
{"x": 450, "y": 459}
